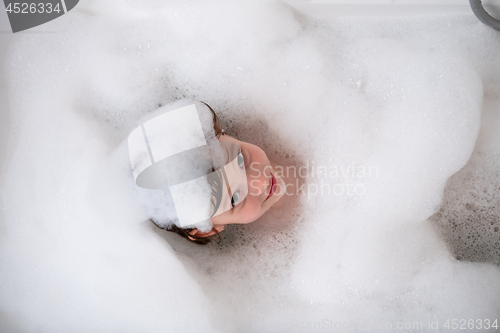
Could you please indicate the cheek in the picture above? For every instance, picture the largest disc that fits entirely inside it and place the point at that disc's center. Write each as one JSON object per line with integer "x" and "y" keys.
{"x": 251, "y": 211}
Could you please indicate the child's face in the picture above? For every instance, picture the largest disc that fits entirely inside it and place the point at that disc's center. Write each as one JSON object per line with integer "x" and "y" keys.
{"x": 259, "y": 177}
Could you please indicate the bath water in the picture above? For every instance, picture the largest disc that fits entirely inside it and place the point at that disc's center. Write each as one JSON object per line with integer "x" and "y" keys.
{"x": 393, "y": 121}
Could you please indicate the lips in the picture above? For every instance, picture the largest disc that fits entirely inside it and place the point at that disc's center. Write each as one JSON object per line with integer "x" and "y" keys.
{"x": 273, "y": 187}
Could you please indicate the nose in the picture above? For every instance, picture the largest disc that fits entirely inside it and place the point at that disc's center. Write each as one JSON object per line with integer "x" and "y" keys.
{"x": 258, "y": 179}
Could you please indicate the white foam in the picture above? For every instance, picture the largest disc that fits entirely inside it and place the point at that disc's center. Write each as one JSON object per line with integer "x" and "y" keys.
{"x": 402, "y": 96}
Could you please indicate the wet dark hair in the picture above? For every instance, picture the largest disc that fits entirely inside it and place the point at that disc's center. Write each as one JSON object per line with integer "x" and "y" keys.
{"x": 216, "y": 183}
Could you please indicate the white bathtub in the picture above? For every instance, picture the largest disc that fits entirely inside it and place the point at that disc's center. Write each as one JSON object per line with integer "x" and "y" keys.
{"x": 5, "y": 36}
{"x": 390, "y": 7}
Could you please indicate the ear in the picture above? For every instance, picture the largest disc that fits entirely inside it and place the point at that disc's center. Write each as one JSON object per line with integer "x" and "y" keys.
{"x": 197, "y": 233}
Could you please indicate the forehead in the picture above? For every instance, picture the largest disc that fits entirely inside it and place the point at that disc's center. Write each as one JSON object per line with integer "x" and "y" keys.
{"x": 228, "y": 138}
